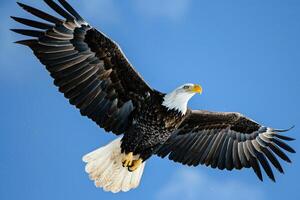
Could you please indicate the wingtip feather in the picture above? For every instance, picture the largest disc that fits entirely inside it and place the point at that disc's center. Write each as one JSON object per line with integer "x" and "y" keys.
{"x": 22, "y": 5}
{"x": 284, "y": 130}
{"x": 28, "y": 43}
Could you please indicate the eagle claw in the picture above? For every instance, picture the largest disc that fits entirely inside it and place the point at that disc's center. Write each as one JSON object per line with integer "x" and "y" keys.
{"x": 127, "y": 160}
{"x": 135, "y": 165}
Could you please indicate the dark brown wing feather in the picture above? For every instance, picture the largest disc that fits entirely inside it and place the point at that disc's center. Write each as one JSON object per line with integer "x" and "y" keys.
{"x": 88, "y": 67}
{"x": 226, "y": 141}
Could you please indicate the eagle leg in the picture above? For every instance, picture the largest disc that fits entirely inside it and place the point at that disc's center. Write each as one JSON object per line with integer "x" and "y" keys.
{"x": 135, "y": 165}
{"x": 127, "y": 160}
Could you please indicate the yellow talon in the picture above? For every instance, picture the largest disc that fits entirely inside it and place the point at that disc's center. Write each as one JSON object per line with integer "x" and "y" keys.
{"x": 127, "y": 160}
{"x": 135, "y": 165}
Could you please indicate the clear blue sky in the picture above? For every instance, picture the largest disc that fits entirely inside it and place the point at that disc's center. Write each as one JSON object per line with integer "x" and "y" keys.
{"x": 245, "y": 54}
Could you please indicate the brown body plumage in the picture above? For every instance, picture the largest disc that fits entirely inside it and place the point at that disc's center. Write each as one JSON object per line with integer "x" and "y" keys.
{"x": 152, "y": 125}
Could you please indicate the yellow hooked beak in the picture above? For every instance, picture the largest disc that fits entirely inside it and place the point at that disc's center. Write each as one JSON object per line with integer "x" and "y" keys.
{"x": 197, "y": 89}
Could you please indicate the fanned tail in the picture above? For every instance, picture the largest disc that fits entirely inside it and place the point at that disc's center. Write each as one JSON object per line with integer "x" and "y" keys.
{"x": 104, "y": 167}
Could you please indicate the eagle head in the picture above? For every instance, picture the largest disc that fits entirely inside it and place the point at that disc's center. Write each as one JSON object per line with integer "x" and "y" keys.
{"x": 178, "y": 99}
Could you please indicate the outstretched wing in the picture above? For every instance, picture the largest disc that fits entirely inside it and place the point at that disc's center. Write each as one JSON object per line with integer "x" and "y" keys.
{"x": 226, "y": 141}
{"x": 88, "y": 67}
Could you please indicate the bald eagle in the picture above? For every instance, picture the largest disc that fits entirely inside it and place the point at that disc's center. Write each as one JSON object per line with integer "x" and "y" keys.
{"x": 92, "y": 72}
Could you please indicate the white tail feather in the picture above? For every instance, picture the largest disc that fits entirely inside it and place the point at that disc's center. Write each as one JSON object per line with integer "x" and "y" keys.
{"x": 104, "y": 167}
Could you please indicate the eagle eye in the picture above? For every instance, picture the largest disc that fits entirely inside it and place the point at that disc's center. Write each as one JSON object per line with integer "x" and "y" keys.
{"x": 186, "y": 87}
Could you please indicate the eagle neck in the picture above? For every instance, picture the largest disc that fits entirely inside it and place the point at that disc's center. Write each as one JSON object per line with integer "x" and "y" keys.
{"x": 177, "y": 101}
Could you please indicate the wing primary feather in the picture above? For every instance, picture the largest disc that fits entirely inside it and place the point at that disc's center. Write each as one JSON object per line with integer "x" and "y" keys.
{"x": 279, "y": 153}
{"x": 29, "y": 43}
{"x": 283, "y": 137}
{"x": 265, "y": 164}
{"x": 32, "y": 23}
{"x": 55, "y": 56}
{"x": 273, "y": 159}
{"x": 48, "y": 49}
{"x": 253, "y": 162}
{"x": 71, "y": 10}
{"x": 284, "y": 130}
{"x": 40, "y": 14}
{"x": 262, "y": 159}
{"x": 32, "y": 33}
{"x": 58, "y": 9}
{"x": 256, "y": 168}
{"x": 283, "y": 145}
